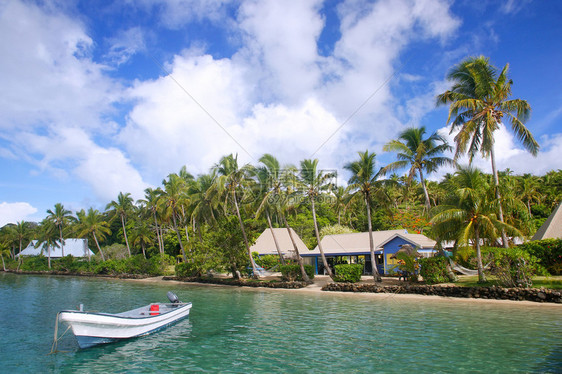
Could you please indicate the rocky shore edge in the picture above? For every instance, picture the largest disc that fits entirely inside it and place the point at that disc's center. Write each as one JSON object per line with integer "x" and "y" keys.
{"x": 541, "y": 295}
{"x": 242, "y": 282}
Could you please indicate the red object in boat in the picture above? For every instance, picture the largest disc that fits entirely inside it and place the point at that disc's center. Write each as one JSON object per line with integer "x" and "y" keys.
{"x": 154, "y": 309}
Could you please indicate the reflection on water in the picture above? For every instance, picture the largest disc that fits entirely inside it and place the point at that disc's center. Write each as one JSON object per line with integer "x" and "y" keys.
{"x": 238, "y": 330}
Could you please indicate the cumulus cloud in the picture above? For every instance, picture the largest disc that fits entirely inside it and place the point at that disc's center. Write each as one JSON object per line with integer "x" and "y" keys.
{"x": 510, "y": 154}
{"x": 15, "y": 212}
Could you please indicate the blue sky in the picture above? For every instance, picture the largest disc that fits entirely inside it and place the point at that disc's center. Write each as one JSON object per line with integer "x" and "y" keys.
{"x": 99, "y": 97}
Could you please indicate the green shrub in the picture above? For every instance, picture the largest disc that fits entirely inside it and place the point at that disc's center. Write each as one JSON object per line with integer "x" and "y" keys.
{"x": 110, "y": 267}
{"x": 35, "y": 263}
{"x": 548, "y": 253}
{"x": 161, "y": 263}
{"x": 434, "y": 269}
{"x": 267, "y": 262}
{"x": 292, "y": 272}
{"x": 139, "y": 265}
{"x": 350, "y": 273}
{"x": 187, "y": 269}
{"x": 514, "y": 267}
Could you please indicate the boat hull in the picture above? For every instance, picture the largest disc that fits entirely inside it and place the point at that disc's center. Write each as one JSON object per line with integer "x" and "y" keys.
{"x": 92, "y": 329}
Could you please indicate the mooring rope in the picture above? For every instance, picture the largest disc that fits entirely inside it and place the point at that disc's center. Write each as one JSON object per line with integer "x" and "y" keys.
{"x": 56, "y": 337}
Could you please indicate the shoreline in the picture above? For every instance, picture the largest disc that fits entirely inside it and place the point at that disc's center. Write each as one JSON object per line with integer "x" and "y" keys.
{"x": 316, "y": 288}
{"x": 320, "y": 281}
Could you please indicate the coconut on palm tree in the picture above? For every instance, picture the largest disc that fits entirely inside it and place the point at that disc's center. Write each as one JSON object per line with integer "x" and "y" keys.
{"x": 479, "y": 102}
{"x": 421, "y": 155}
{"x": 121, "y": 208}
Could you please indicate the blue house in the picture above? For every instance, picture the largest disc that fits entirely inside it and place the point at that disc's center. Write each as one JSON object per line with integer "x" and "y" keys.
{"x": 354, "y": 248}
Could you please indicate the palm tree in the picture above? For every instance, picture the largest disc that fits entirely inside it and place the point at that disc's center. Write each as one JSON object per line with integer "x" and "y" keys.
{"x": 315, "y": 182}
{"x": 151, "y": 203}
{"x": 60, "y": 217}
{"x": 363, "y": 179}
{"x": 47, "y": 238}
{"x": 21, "y": 232}
{"x": 141, "y": 235}
{"x": 479, "y": 99}
{"x": 419, "y": 154}
{"x": 231, "y": 178}
{"x": 470, "y": 214}
{"x": 94, "y": 224}
{"x": 172, "y": 202}
{"x": 269, "y": 177}
{"x": 342, "y": 201}
{"x": 122, "y": 207}
{"x": 202, "y": 206}
{"x": 528, "y": 191}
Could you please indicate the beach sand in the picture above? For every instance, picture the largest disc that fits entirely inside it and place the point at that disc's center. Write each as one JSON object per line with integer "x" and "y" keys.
{"x": 322, "y": 280}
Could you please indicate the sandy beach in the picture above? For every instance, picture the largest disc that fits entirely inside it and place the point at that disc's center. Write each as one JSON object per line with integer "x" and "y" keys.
{"x": 322, "y": 280}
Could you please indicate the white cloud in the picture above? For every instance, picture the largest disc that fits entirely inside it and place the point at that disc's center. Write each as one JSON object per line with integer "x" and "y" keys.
{"x": 15, "y": 212}
{"x": 509, "y": 154}
{"x": 125, "y": 44}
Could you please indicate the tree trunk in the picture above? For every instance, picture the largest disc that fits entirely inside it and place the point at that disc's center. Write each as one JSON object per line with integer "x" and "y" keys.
{"x": 427, "y": 202}
{"x": 160, "y": 244}
{"x": 61, "y": 241}
{"x": 125, "y": 234}
{"x": 275, "y": 238}
{"x": 3, "y": 264}
{"x": 179, "y": 236}
{"x": 254, "y": 270}
{"x": 324, "y": 261}
{"x": 481, "y": 276}
{"x": 99, "y": 249}
{"x": 299, "y": 259}
{"x": 374, "y": 270}
{"x": 143, "y": 252}
{"x": 498, "y": 197}
{"x": 49, "y": 257}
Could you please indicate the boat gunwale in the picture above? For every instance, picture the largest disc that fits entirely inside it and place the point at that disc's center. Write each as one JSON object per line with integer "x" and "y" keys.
{"x": 141, "y": 317}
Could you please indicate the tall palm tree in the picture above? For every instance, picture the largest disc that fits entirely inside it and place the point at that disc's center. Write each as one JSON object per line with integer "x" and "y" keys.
{"x": 60, "y": 217}
{"x": 315, "y": 181}
{"x": 150, "y": 202}
{"x": 363, "y": 179}
{"x": 342, "y": 201}
{"x": 47, "y": 238}
{"x": 269, "y": 178}
{"x": 141, "y": 235}
{"x": 470, "y": 215}
{"x": 122, "y": 207}
{"x": 419, "y": 154}
{"x": 202, "y": 206}
{"x": 172, "y": 202}
{"x": 231, "y": 178}
{"x": 21, "y": 232}
{"x": 94, "y": 224}
{"x": 479, "y": 100}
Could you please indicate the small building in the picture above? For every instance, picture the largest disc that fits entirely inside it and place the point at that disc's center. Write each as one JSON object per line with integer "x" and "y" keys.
{"x": 265, "y": 244}
{"x": 552, "y": 227}
{"x": 74, "y": 247}
{"x": 355, "y": 248}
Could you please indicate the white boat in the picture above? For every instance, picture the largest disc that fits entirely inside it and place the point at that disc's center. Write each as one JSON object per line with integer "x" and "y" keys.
{"x": 92, "y": 328}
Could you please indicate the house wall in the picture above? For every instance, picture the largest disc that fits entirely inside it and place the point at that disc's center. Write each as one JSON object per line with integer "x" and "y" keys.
{"x": 389, "y": 249}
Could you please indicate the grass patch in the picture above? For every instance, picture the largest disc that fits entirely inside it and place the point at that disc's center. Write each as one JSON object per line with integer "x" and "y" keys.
{"x": 554, "y": 282}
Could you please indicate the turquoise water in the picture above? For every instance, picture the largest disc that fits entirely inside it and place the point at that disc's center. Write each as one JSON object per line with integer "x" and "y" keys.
{"x": 245, "y": 331}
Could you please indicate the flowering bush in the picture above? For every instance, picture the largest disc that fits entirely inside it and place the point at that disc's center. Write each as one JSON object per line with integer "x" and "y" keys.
{"x": 548, "y": 253}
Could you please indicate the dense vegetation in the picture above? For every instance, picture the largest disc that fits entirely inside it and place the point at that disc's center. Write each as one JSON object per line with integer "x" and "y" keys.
{"x": 208, "y": 222}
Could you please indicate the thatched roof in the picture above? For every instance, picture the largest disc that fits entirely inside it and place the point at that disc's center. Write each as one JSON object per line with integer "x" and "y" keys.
{"x": 265, "y": 245}
{"x": 552, "y": 227}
